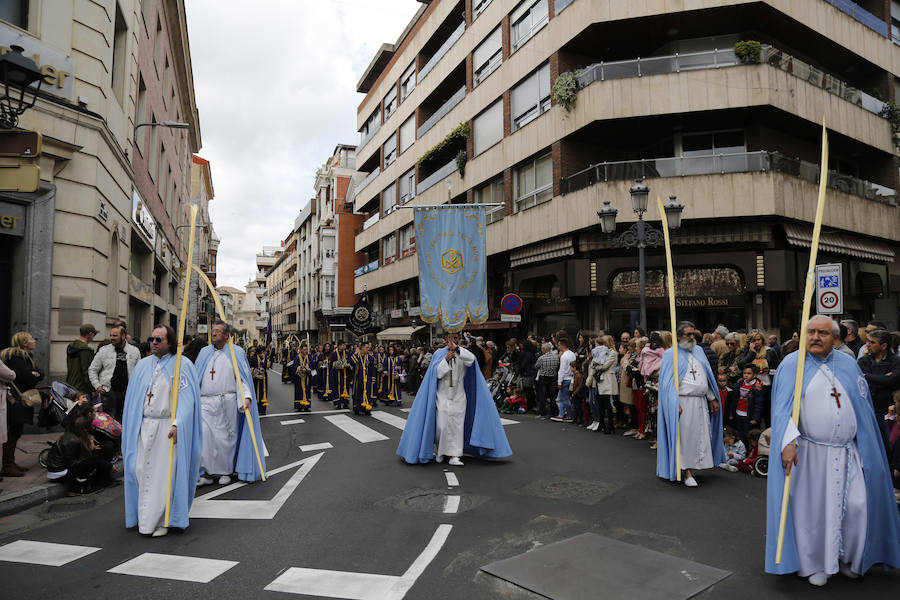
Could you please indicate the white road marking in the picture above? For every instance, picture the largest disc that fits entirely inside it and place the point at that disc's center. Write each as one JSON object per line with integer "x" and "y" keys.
{"x": 386, "y": 417}
{"x": 43, "y": 553}
{"x": 508, "y": 422}
{"x": 265, "y": 450}
{"x": 312, "y": 412}
{"x": 311, "y": 447}
{"x": 205, "y": 507}
{"x": 451, "y": 479}
{"x": 359, "y": 586}
{"x": 293, "y": 422}
{"x": 356, "y": 429}
{"x": 405, "y": 409}
{"x": 180, "y": 568}
{"x": 451, "y": 504}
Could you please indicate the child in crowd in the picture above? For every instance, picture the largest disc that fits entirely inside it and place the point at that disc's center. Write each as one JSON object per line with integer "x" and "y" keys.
{"x": 746, "y": 465}
{"x": 579, "y": 392}
{"x": 735, "y": 451}
{"x": 744, "y": 410}
{"x": 724, "y": 390}
{"x": 514, "y": 402}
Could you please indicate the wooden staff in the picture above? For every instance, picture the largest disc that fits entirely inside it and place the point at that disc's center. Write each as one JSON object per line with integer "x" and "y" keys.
{"x": 237, "y": 373}
{"x": 176, "y": 380}
{"x": 671, "y": 277}
{"x": 807, "y": 305}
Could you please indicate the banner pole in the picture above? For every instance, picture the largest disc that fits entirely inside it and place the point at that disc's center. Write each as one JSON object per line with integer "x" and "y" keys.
{"x": 176, "y": 379}
{"x": 804, "y": 317}
{"x": 670, "y": 271}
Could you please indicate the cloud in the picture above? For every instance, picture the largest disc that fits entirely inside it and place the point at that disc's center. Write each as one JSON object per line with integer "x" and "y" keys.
{"x": 275, "y": 83}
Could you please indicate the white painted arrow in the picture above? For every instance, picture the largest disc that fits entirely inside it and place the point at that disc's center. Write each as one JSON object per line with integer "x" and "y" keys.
{"x": 206, "y": 507}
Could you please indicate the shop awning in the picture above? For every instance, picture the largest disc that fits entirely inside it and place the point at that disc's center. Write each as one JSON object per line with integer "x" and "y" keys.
{"x": 543, "y": 251}
{"x": 398, "y": 333}
{"x": 488, "y": 325}
{"x": 839, "y": 243}
{"x": 692, "y": 234}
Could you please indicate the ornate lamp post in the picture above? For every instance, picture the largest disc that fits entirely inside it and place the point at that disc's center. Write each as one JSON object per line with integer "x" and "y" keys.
{"x": 17, "y": 73}
{"x": 640, "y": 234}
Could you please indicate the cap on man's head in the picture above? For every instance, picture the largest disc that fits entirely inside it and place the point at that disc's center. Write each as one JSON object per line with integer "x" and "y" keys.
{"x": 87, "y": 329}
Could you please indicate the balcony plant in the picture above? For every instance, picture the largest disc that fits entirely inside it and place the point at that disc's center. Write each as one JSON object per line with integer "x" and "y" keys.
{"x": 565, "y": 90}
{"x": 459, "y": 134}
{"x": 891, "y": 112}
{"x": 749, "y": 52}
{"x": 461, "y": 158}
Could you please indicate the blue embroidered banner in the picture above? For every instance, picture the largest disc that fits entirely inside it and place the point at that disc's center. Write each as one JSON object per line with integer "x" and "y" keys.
{"x": 360, "y": 321}
{"x": 450, "y": 242}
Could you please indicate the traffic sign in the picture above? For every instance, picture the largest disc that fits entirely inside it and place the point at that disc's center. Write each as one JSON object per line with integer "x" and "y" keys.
{"x": 829, "y": 289}
{"x": 22, "y": 144}
{"x": 511, "y": 304}
{"x": 507, "y": 318}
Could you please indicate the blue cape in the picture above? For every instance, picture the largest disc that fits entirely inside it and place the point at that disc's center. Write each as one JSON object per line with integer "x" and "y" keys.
{"x": 187, "y": 449}
{"x": 245, "y": 460}
{"x": 667, "y": 415}
{"x": 483, "y": 434}
{"x": 883, "y": 524}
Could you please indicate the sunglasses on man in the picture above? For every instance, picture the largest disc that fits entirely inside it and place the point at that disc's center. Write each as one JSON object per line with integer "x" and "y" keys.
{"x": 154, "y": 340}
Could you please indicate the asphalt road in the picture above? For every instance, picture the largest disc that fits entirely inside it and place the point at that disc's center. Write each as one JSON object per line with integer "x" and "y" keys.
{"x": 360, "y": 519}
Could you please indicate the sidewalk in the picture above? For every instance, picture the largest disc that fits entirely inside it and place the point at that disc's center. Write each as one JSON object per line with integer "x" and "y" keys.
{"x": 20, "y": 493}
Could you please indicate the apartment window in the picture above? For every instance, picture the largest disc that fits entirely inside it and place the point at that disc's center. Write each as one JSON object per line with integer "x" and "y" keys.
{"x": 372, "y": 124}
{"x": 120, "y": 39}
{"x": 389, "y": 199}
{"x": 530, "y": 98}
{"x": 15, "y": 12}
{"x": 488, "y": 56}
{"x": 407, "y": 82}
{"x": 407, "y": 240}
{"x": 165, "y": 81}
{"x": 329, "y": 287}
{"x": 141, "y": 114}
{"x": 526, "y": 20}
{"x": 159, "y": 50}
{"x": 390, "y": 150}
{"x": 533, "y": 182}
{"x": 161, "y": 185}
{"x": 478, "y": 7}
{"x": 407, "y": 133}
{"x": 895, "y": 21}
{"x": 718, "y": 142}
{"x": 407, "y": 186}
{"x": 390, "y": 102}
{"x": 488, "y": 127}
{"x": 491, "y": 192}
{"x": 389, "y": 248}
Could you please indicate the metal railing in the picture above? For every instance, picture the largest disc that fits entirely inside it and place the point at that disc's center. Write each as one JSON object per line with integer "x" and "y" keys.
{"x": 656, "y": 65}
{"x": 860, "y": 14}
{"x": 745, "y": 162}
{"x": 365, "y": 137}
{"x": 439, "y": 54}
{"x": 437, "y": 176}
{"x": 440, "y": 113}
{"x": 561, "y": 5}
{"x": 368, "y": 179}
{"x": 495, "y": 214}
{"x": 371, "y": 221}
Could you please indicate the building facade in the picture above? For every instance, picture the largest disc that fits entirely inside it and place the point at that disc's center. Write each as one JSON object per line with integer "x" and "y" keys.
{"x": 306, "y": 226}
{"x": 201, "y": 307}
{"x": 661, "y": 94}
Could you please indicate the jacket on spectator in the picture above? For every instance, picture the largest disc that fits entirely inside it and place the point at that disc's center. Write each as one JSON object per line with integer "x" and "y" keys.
{"x": 605, "y": 375}
{"x": 104, "y": 364}
{"x": 881, "y": 385}
{"x": 22, "y": 363}
{"x": 78, "y": 360}
{"x": 711, "y": 356}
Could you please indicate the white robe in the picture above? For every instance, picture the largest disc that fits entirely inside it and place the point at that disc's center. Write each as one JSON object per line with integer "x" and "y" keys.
{"x": 828, "y": 527}
{"x": 152, "y": 459}
{"x": 220, "y": 414}
{"x": 693, "y": 424}
{"x": 451, "y": 404}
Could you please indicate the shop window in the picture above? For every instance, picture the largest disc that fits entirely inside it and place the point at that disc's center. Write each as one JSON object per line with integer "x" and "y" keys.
{"x": 530, "y": 98}
{"x": 533, "y": 182}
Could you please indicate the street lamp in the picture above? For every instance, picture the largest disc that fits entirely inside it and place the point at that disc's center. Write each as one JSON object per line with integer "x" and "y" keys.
{"x": 20, "y": 72}
{"x": 169, "y": 124}
{"x": 640, "y": 234}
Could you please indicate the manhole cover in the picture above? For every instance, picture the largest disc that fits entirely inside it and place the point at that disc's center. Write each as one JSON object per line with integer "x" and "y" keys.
{"x": 584, "y": 492}
{"x": 433, "y": 501}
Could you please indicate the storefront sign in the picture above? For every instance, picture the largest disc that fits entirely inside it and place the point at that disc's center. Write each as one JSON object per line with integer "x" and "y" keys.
{"x": 829, "y": 289}
{"x": 12, "y": 219}
{"x": 142, "y": 217}
{"x": 372, "y": 266}
{"x": 705, "y": 302}
{"x": 415, "y": 311}
{"x": 57, "y": 68}
{"x": 396, "y": 313}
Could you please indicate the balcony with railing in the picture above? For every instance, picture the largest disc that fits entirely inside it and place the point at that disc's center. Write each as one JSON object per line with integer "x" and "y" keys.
{"x": 362, "y": 184}
{"x": 440, "y": 174}
{"x": 744, "y": 162}
{"x": 860, "y": 14}
{"x": 371, "y": 221}
{"x": 441, "y": 51}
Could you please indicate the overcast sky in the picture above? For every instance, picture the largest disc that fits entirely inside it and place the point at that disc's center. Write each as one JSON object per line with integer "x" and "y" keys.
{"x": 275, "y": 82}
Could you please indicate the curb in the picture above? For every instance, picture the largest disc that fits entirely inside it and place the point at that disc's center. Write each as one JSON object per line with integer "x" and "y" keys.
{"x": 15, "y": 502}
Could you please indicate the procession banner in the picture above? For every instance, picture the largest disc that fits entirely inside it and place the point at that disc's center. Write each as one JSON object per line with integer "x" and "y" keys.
{"x": 360, "y": 321}
{"x": 450, "y": 243}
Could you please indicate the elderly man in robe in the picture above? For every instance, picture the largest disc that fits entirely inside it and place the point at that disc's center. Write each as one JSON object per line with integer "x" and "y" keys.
{"x": 689, "y": 418}
{"x": 453, "y": 412}
{"x": 147, "y": 427}
{"x": 227, "y": 443}
{"x": 841, "y": 513}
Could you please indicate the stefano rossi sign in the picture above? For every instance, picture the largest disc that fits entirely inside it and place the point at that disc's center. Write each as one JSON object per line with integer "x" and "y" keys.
{"x": 706, "y": 302}
{"x": 58, "y": 69}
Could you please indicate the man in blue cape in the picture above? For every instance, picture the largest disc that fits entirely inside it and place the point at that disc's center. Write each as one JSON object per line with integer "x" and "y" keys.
{"x": 692, "y": 413}
{"x": 147, "y": 426}
{"x": 482, "y": 432}
{"x": 841, "y": 515}
{"x": 227, "y": 444}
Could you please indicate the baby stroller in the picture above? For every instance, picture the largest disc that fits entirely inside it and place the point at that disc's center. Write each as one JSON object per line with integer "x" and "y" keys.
{"x": 61, "y": 400}
{"x": 761, "y": 462}
{"x": 499, "y": 381}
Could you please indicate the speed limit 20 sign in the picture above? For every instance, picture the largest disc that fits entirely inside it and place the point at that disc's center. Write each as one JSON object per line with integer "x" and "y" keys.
{"x": 829, "y": 289}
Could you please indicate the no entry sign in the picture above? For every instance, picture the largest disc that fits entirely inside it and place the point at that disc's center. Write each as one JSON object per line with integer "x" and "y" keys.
{"x": 829, "y": 289}
{"x": 511, "y": 304}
